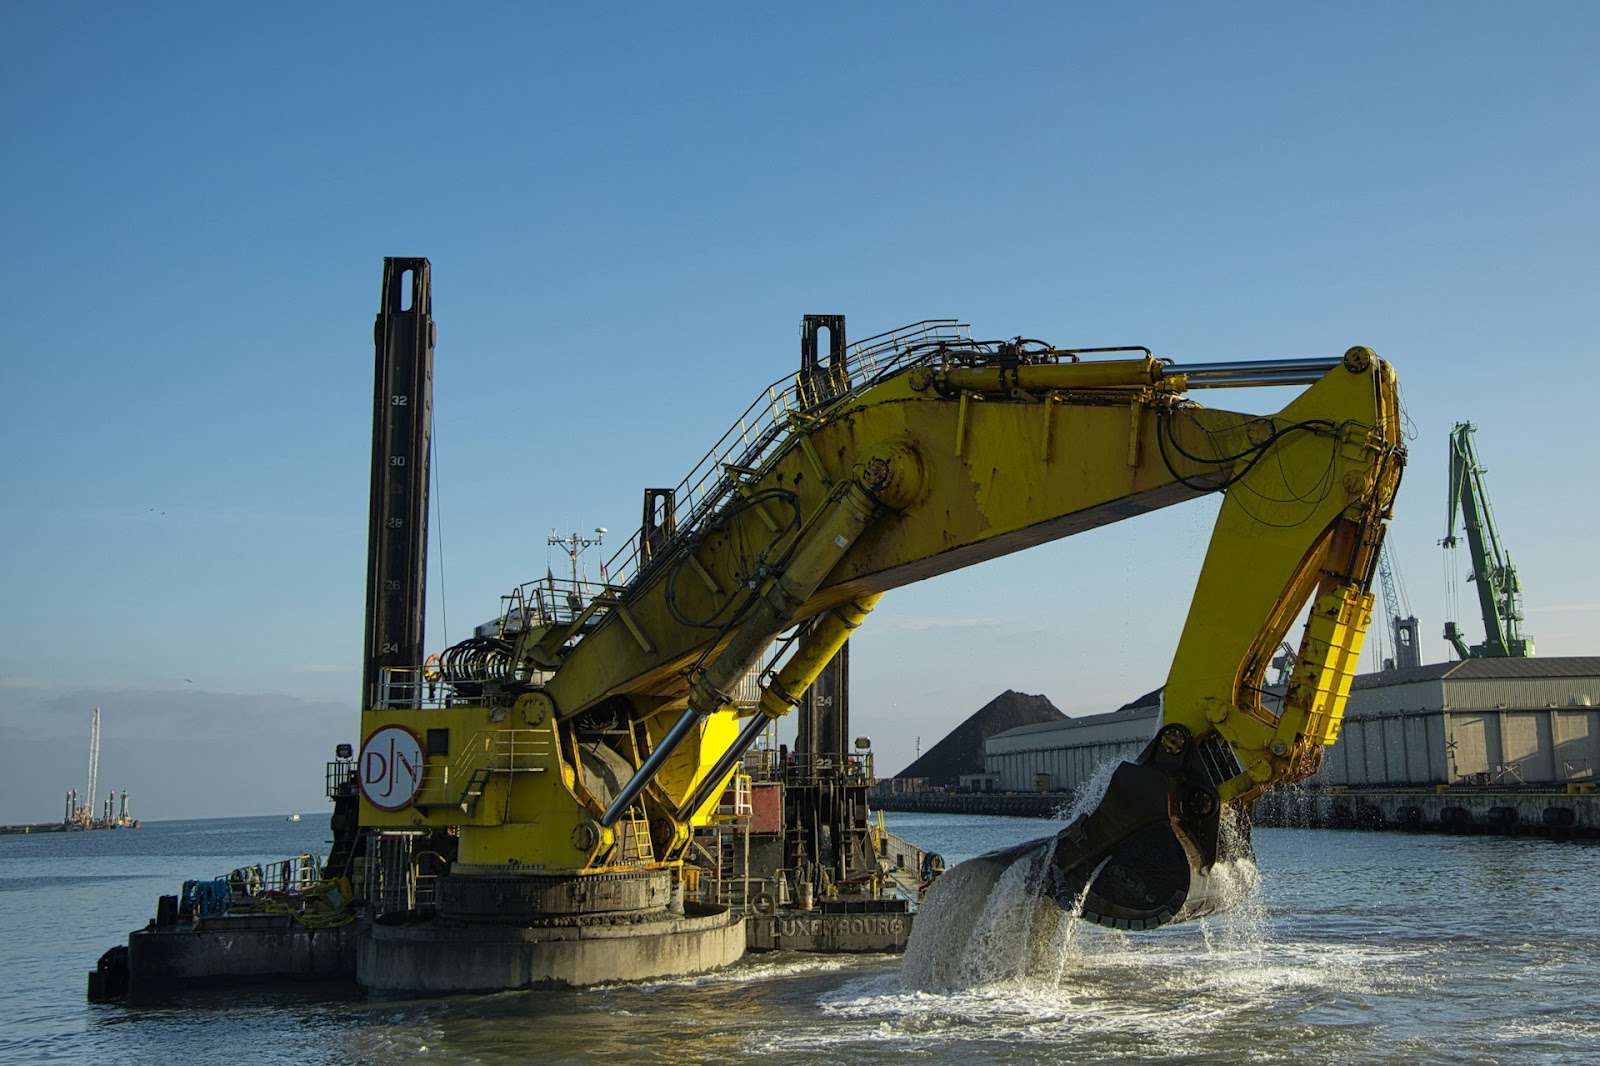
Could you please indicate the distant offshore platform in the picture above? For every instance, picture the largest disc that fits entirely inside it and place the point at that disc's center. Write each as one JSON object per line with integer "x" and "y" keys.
{"x": 113, "y": 813}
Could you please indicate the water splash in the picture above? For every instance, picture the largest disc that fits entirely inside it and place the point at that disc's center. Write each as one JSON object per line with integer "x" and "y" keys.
{"x": 1240, "y": 925}
{"x": 987, "y": 924}
{"x": 1087, "y": 796}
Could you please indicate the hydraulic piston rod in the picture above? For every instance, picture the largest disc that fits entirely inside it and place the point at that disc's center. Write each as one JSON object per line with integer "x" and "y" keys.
{"x": 828, "y": 634}
{"x": 821, "y": 547}
{"x": 1242, "y": 375}
{"x": 1231, "y": 381}
{"x": 1265, "y": 368}
{"x": 652, "y": 765}
{"x": 1130, "y": 373}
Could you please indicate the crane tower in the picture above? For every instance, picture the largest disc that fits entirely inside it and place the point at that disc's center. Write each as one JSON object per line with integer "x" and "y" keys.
{"x": 94, "y": 764}
{"x": 1499, "y": 590}
{"x": 1402, "y": 623}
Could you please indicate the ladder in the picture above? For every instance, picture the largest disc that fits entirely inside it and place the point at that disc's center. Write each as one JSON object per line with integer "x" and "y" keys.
{"x": 640, "y": 848}
{"x": 474, "y": 789}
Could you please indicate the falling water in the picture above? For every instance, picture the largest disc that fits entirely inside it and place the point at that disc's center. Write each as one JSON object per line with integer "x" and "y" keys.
{"x": 1088, "y": 797}
{"x": 986, "y": 923}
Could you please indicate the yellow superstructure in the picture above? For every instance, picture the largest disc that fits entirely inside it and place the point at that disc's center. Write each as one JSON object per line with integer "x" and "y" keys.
{"x": 597, "y": 727}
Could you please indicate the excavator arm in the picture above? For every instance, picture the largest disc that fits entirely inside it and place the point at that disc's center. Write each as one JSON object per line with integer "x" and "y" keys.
{"x": 600, "y": 731}
{"x": 1302, "y": 521}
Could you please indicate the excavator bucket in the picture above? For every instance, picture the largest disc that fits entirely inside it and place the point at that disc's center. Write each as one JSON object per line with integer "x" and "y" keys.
{"x": 1151, "y": 852}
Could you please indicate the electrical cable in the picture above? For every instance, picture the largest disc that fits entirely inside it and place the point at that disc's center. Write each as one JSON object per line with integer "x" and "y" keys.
{"x": 1165, "y": 435}
{"x": 747, "y": 564}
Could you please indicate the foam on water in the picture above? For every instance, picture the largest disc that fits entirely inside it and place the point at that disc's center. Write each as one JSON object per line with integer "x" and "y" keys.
{"x": 991, "y": 964}
{"x": 989, "y": 968}
{"x": 752, "y": 970}
{"x": 1123, "y": 996}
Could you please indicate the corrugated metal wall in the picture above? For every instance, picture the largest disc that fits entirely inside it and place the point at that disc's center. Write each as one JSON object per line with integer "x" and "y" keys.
{"x": 1474, "y": 747}
{"x": 1515, "y": 693}
{"x": 1069, "y": 766}
{"x": 1389, "y": 750}
{"x": 1498, "y": 731}
{"x": 1576, "y": 743}
{"x": 1396, "y": 699}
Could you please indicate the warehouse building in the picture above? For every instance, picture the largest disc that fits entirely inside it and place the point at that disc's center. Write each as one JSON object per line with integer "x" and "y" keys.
{"x": 1060, "y": 756}
{"x": 1479, "y": 722}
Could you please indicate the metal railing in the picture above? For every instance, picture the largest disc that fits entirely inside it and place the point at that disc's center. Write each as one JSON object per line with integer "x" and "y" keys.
{"x": 488, "y": 751}
{"x": 735, "y": 800}
{"x": 340, "y": 778}
{"x": 411, "y": 686}
{"x": 754, "y": 438}
{"x": 549, "y": 600}
{"x": 389, "y": 877}
{"x": 248, "y": 889}
{"x": 719, "y": 868}
{"x": 430, "y": 688}
{"x": 287, "y": 875}
{"x": 764, "y": 764}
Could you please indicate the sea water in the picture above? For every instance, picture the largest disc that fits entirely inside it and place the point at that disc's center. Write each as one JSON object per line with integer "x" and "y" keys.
{"x": 1350, "y": 948}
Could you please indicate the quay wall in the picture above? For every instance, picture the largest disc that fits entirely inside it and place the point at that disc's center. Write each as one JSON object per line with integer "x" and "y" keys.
{"x": 1462, "y": 809}
{"x": 1553, "y": 813}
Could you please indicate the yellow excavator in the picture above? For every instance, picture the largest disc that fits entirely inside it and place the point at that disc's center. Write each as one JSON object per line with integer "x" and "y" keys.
{"x": 589, "y": 730}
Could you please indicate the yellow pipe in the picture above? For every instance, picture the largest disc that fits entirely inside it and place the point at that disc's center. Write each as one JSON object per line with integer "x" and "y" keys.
{"x": 821, "y": 547}
{"x": 817, "y": 648}
{"x": 819, "y": 552}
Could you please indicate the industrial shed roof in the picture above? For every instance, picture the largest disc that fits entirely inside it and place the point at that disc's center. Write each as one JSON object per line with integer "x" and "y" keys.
{"x": 1138, "y": 709}
{"x": 1470, "y": 670}
{"x": 1484, "y": 670}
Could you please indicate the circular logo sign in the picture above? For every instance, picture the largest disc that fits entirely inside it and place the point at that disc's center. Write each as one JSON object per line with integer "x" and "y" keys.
{"x": 390, "y": 768}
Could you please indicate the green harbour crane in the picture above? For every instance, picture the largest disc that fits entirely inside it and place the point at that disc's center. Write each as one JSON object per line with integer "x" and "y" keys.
{"x": 1499, "y": 591}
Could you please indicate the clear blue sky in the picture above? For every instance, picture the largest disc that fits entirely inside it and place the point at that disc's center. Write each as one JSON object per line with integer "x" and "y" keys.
{"x": 628, "y": 209}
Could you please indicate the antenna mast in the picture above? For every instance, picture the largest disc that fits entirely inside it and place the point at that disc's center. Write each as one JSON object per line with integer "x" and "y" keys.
{"x": 575, "y": 545}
